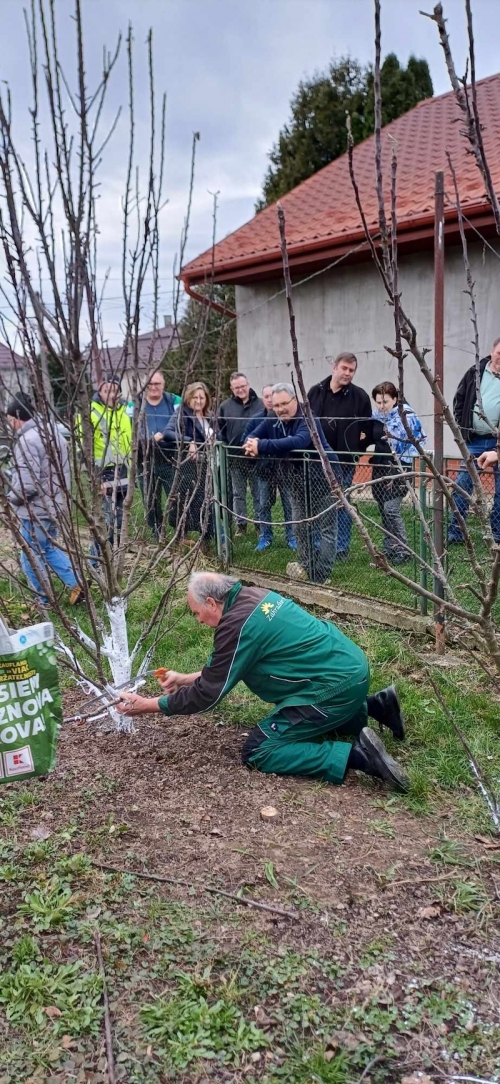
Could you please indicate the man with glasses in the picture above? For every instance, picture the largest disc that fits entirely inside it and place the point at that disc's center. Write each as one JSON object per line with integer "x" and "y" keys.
{"x": 269, "y": 484}
{"x": 155, "y": 469}
{"x": 313, "y": 504}
{"x": 234, "y": 414}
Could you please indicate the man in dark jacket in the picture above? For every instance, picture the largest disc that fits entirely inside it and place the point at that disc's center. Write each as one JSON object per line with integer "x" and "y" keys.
{"x": 478, "y": 424}
{"x": 262, "y": 639}
{"x": 269, "y": 483}
{"x": 313, "y": 504}
{"x": 234, "y": 414}
{"x": 343, "y": 410}
{"x": 155, "y": 469}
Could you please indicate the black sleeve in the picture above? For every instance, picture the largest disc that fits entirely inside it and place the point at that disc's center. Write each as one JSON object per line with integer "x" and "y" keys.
{"x": 221, "y": 426}
{"x": 458, "y": 402}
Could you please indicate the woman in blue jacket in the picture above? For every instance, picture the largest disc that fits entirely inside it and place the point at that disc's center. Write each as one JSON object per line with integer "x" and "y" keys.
{"x": 189, "y": 431}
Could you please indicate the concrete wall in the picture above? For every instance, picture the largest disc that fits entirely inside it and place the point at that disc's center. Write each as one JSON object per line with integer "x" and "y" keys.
{"x": 345, "y": 309}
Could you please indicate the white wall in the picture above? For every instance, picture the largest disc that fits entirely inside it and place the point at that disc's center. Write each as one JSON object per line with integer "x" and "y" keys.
{"x": 345, "y": 309}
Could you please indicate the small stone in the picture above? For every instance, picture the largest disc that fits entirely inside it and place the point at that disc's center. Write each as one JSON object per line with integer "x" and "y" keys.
{"x": 269, "y": 813}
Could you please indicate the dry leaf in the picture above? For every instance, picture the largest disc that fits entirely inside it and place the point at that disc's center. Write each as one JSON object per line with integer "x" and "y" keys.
{"x": 67, "y": 1042}
{"x": 40, "y": 832}
{"x": 261, "y": 1016}
{"x": 489, "y": 844}
{"x": 432, "y": 911}
{"x": 52, "y": 1010}
{"x": 255, "y": 1057}
{"x": 416, "y": 1078}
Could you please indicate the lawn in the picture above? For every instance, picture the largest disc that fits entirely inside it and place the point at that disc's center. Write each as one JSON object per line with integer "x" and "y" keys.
{"x": 391, "y": 958}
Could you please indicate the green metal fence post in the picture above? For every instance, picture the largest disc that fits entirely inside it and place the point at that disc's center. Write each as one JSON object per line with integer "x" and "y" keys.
{"x": 423, "y": 540}
{"x": 228, "y": 548}
{"x": 217, "y": 503}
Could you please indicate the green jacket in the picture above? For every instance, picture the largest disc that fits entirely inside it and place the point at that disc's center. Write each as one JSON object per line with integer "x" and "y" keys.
{"x": 282, "y": 653}
{"x": 112, "y": 433}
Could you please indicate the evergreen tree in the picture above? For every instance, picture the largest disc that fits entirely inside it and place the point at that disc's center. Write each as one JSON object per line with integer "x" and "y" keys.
{"x": 316, "y": 133}
{"x": 205, "y": 340}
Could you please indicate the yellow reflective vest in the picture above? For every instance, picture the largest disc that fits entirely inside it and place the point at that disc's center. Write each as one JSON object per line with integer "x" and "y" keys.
{"x": 112, "y": 433}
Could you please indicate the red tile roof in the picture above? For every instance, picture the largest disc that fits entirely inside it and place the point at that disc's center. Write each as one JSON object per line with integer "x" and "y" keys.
{"x": 9, "y": 360}
{"x": 321, "y": 213}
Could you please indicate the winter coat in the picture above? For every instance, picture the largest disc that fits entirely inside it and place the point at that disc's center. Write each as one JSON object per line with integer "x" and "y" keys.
{"x": 184, "y": 427}
{"x": 343, "y": 429}
{"x": 281, "y": 652}
{"x": 234, "y": 415}
{"x": 112, "y": 433}
{"x": 394, "y": 440}
{"x": 280, "y": 438}
{"x": 465, "y": 400}
{"x": 38, "y": 460}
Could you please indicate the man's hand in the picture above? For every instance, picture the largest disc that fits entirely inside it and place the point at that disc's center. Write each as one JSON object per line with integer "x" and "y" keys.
{"x": 133, "y": 704}
{"x": 251, "y": 446}
{"x": 487, "y": 459}
{"x": 104, "y": 488}
{"x": 158, "y": 436}
{"x": 193, "y": 450}
{"x": 173, "y": 681}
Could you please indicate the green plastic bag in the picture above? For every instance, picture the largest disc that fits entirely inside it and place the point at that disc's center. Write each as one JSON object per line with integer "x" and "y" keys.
{"x": 30, "y": 702}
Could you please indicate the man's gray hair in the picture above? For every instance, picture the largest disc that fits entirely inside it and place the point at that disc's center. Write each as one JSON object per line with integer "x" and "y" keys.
{"x": 288, "y": 388}
{"x": 203, "y": 585}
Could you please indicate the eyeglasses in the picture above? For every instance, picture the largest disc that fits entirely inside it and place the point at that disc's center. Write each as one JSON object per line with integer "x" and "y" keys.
{"x": 277, "y": 406}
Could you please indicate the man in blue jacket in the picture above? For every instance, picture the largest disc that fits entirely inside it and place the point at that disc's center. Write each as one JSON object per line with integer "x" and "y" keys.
{"x": 313, "y": 504}
{"x": 269, "y": 483}
{"x": 154, "y": 466}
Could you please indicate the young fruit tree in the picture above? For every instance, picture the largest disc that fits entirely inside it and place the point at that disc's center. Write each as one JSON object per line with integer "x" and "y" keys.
{"x": 68, "y": 498}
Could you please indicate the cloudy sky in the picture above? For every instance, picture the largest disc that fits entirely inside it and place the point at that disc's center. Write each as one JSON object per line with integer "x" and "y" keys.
{"x": 229, "y": 68}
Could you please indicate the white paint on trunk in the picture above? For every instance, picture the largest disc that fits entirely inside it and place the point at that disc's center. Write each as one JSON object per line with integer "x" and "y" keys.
{"x": 115, "y": 647}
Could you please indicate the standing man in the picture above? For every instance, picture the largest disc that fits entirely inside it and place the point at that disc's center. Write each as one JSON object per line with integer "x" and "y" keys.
{"x": 313, "y": 504}
{"x": 40, "y": 492}
{"x": 234, "y": 414}
{"x": 478, "y": 430}
{"x": 262, "y": 639}
{"x": 112, "y": 442}
{"x": 154, "y": 467}
{"x": 342, "y": 408}
{"x": 270, "y": 481}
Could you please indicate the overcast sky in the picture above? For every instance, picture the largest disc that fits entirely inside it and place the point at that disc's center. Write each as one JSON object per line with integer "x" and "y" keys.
{"x": 229, "y": 68}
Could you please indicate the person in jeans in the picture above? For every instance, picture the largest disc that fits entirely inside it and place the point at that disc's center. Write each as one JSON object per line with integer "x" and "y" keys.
{"x": 189, "y": 432}
{"x": 343, "y": 410}
{"x": 39, "y": 495}
{"x": 313, "y": 504}
{"x": 388, "y": 471}
{"x": 478, "y": 430}
{"x": 154, "y": 468}
{"x": 234, "y": 414}
{"x": 270, "y": 482}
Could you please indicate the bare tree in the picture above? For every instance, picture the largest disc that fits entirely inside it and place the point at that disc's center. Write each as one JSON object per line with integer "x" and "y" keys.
{"x": 49, "y": 230}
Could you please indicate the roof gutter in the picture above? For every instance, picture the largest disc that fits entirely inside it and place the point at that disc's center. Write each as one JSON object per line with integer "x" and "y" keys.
{"x": 206, "y": 301}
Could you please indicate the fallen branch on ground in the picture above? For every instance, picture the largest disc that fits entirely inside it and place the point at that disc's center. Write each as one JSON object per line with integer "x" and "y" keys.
{"x": 204, "y": 888}
{"x": 108, "y": 1034}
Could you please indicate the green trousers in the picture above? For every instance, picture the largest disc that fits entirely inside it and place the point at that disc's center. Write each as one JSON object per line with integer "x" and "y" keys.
{"x": 309, "y": 746}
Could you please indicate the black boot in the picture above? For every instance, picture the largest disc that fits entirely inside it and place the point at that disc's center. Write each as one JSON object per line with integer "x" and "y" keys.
{"x": 385, "y": 708}
{"x": 370, "y": 756}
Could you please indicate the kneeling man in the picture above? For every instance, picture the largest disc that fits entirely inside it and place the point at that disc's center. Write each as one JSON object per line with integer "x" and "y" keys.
{"x": 315, "y": 676}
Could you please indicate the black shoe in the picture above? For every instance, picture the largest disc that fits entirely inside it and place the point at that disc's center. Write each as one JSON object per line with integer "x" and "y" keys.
{"x": 372, "y": 758}
{"x": 386, "y": 709}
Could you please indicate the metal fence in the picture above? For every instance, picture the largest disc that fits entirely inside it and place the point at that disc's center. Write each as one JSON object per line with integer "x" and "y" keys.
{"x": 279, "y": 516}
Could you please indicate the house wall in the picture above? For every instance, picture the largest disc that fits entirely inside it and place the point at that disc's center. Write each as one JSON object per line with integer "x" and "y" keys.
{"x": 345, "y": 309}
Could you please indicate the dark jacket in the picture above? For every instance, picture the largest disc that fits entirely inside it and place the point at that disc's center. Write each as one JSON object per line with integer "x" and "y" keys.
{"x": 279, "y": 438}
{"x": 281, "y": 652}
{"x": 465, "y": 400}
{"x": 184, "y": 427}
{"x": 344, "y": 432}
{"x": 234, "y": 415}
{"x": 254, "y": 422}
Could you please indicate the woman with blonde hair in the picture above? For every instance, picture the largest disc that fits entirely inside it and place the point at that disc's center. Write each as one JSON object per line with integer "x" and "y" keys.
{"x": 190, "y": 431}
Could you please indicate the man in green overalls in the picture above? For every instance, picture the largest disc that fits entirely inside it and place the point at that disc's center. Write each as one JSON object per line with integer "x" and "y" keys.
{"x": 315, "y": 676}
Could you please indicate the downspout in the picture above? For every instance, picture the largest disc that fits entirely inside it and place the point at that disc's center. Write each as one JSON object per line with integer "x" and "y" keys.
{"x": 206, "y": 301}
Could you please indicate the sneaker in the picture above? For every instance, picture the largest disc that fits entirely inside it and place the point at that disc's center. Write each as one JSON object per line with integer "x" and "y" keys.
{"x": 291, "y": 543}
{"x": 76, "y": 595}
{"x": 295, "y": 571}
{"x": 379, "y": 763}
{"x": 262, "y": 544}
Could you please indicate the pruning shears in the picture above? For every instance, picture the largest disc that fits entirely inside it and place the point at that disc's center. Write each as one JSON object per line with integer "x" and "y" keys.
{"x": 113, "y": 691}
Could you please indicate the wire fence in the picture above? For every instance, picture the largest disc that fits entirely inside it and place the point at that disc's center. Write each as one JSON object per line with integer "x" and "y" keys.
{"x": 279, "y": 516}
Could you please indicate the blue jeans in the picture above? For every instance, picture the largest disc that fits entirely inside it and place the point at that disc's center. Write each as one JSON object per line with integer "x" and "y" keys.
{"x": 243, "y": 472}
{"x": 46, "y": 556}
{"x": 345, "y": 521}
{"x": 268, "y": 487}
{"x": 476, "y": 448}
